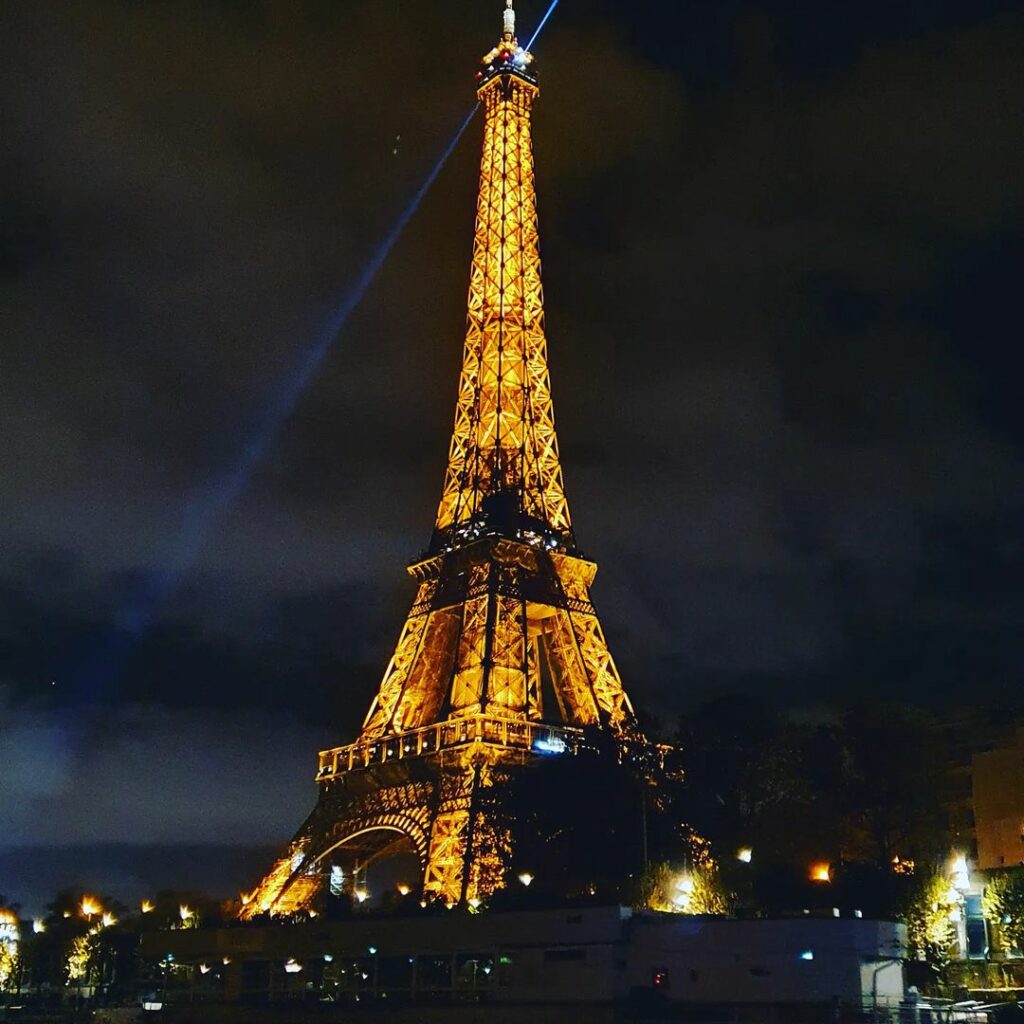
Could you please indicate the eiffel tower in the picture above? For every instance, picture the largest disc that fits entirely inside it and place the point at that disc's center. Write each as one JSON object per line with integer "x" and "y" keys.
{"x": 502, "y": 658}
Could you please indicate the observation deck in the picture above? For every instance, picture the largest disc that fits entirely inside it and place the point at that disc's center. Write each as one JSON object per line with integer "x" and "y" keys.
{"x": 455, "y": 734}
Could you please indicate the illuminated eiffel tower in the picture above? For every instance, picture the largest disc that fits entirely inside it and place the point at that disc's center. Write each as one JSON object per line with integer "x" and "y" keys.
{"x": 502, "y": 658}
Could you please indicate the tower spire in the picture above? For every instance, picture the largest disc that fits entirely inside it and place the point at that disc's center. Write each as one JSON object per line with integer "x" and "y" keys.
{"x": 503, "y": 469}
{"x": 509, "y": 23}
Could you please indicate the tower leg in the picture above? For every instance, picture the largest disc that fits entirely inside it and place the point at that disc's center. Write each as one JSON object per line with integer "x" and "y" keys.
{"x": 449, "y": 837}
{"x": 467, "y": 855}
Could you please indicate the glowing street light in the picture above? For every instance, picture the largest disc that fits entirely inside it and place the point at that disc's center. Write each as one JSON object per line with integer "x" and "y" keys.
{"x": 89, "y": 906}
{"x": 292, "y": 967}
{"x": 185, "y": 913}
{"x": 361, "y": 895}
{"x": 403, "y": 889}
{"x": 745, "y": 854}
{"x": 683, "y": 896}
{"x": 108, "y": 920}
{"x": 820, "y": 871}
{"x": 960, "y": 873}
{"x": 526, "y": 878}
{"x": 146, "y": 907}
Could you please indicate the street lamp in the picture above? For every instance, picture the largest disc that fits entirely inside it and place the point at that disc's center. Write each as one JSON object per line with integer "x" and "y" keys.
{"x": 821, "y": 871}
{"x": 89, "y": 906}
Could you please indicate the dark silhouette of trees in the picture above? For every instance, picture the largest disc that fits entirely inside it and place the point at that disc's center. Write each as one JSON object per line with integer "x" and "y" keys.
{"x": 577, "y": 823}
{"x": 862, "y": 785}
{"x": 755, "y": 779}
{"x": 894, "y": 789}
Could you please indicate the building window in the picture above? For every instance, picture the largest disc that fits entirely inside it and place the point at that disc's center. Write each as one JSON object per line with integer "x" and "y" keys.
{"x": 560, "y": 955}
{"x": 474, "y": 970}
{"x": 433, "y": 972}
{"x": 976, "y": 928}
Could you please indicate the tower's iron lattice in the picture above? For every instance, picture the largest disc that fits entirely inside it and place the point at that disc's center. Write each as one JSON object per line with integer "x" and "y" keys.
{"x": 502, "y": 654}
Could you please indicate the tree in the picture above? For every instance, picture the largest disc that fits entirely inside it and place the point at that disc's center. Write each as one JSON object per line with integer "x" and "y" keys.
{"x": 683, "y": 889}
{"x": 182, "y": 908}
{"x": 930, "y": 911}
{"x": 894, "y": 796}
{"x": 1003, "y": 905}
{"x": 751, "y": 773}
{"x": 10, "y": 944}
{"x": 79, "y": 945}
{"x": 577, "y": 821}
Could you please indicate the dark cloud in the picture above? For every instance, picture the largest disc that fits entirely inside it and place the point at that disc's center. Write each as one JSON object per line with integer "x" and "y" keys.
{"x": 137, "y": 772}
{"x": 781, "y": 258}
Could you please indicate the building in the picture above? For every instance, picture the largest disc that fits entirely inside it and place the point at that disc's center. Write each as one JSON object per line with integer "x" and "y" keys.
{"x": 998, "y": 795}
{"x": 597, "y": 956}
{"x": 767, "y": 962}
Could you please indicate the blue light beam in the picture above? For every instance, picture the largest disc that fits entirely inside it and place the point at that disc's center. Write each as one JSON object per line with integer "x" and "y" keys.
{"x": 543, "y": 22}
{"x": 137, "y": 614}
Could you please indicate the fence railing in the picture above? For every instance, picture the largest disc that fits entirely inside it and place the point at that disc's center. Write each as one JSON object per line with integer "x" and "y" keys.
{"x": 511, "y": 733}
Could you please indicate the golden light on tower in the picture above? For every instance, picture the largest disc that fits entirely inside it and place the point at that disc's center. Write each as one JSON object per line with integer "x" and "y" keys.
{"x": 502, "y": 593}
{"x": 504, "y": 433}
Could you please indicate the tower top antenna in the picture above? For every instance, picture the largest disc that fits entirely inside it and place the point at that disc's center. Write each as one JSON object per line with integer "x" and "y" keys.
{"x": 509, "y": 22}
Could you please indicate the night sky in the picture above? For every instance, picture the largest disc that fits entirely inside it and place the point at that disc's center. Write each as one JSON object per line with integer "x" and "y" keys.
{"x": 783, "y": 260}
